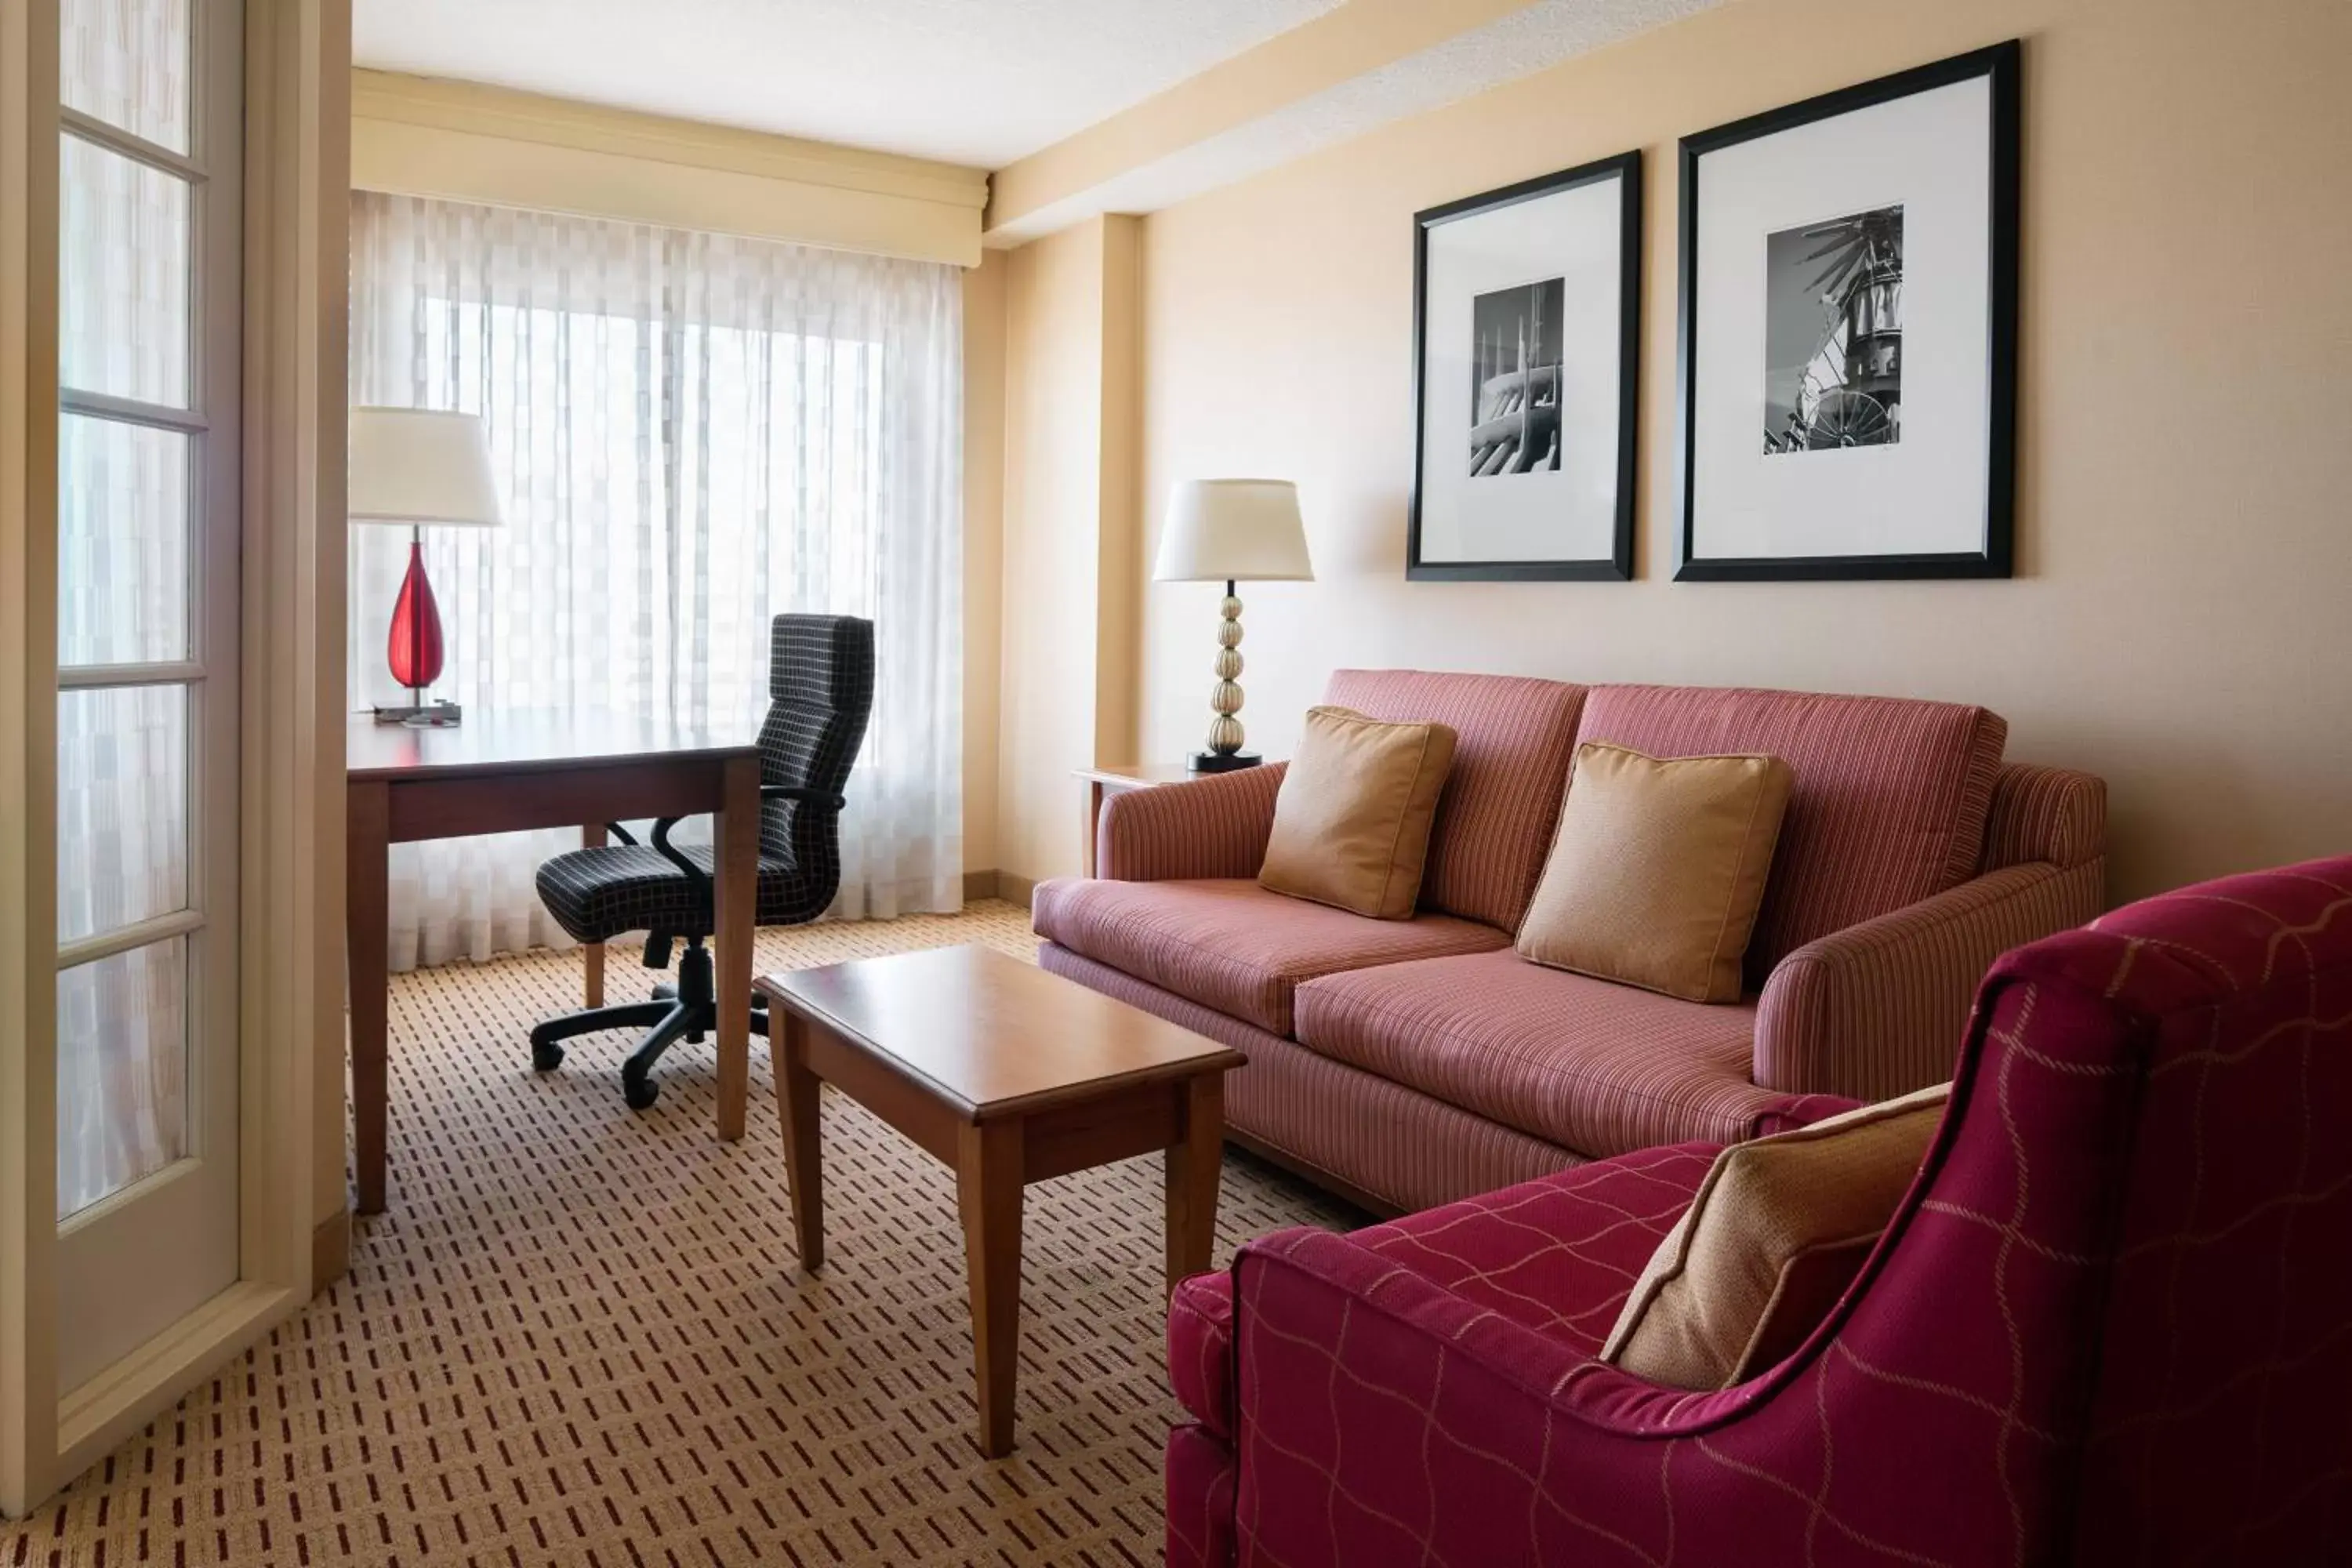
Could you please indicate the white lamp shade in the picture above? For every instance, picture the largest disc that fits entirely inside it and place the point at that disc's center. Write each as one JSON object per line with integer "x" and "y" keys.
{"x": 1232, "y": 530}
{"x": 420, "y": 465}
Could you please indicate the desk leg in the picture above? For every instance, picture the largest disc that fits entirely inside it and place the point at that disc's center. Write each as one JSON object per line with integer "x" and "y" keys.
{"x": 592, "y": 953}
{"x": 367, "y": 941}
{"x": 736, "y": 893}
{"x": 1094, "y": 821}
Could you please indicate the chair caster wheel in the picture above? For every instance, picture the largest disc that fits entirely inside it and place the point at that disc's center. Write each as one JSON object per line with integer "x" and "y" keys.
{"x": 547, "y": 1057}
{"x": 665, "y": 992}
{"x": 639, "y": 1090}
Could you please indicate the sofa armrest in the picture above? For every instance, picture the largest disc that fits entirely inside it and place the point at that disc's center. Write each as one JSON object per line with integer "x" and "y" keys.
{"x": 2052, "y": 815}
{"x": 1201, "y": 1350}
{"x": 1208, "y": 827}
{"x": 1877, "y": 1009}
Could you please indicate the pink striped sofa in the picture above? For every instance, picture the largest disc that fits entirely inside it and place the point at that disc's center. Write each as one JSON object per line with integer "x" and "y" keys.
{"x": 1411, "y": 1063}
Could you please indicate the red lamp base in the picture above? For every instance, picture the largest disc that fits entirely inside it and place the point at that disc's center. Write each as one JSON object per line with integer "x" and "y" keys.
{"x": 414, "y": 647}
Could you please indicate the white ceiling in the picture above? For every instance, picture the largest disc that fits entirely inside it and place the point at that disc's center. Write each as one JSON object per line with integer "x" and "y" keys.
{"x": 979, "y": 82}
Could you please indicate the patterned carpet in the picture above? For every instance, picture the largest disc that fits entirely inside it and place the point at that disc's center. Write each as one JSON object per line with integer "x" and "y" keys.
{"x": 579, "y": 1335}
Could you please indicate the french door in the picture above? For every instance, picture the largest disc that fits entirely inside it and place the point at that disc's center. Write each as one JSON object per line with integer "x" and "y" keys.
{"x": 149, "y": 311}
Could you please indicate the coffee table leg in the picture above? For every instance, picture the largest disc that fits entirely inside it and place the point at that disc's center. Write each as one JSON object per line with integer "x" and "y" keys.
{"x": 1193, "y": 1163}
{"x": 988, "y": 1189}
{"x": 796, "y": 1111}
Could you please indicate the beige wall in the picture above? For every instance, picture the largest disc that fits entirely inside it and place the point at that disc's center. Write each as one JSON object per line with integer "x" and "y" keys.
{"x": 2178, "y": 622}
{"x": 1052, "y": 471}
{"x": 983, "y": 549}
{"x": 1119, "y": 565}
{"x": 1070, "y": 432}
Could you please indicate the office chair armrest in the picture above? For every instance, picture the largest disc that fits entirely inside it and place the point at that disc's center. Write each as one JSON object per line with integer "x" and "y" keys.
{"x": 696, "y": 875}
{"x": 815, "y": 799}
{"x": 615, "y": 830}
{"x": 806, "y": 796}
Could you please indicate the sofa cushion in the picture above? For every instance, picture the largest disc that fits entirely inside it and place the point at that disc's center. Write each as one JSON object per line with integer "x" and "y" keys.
{"x": 1513, "y": 737}
{"x": 1230, "y": 944}
{"x": 1887, "y": 804}
{"x": 1658, "y": 871}
{"x": 1559, "y": 1254}
{"x": 1593, "y": 1066}
{"x": 1352, "y": 821}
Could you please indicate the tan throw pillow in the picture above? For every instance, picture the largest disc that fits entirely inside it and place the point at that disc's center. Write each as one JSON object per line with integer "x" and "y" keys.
{"x": 1776, "y": 1232}
{"x": 1352, "y": 821}
{"x": 1658, "y": 869}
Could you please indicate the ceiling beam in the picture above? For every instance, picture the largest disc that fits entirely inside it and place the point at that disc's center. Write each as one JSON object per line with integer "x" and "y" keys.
{"x": 1355, "y": 68}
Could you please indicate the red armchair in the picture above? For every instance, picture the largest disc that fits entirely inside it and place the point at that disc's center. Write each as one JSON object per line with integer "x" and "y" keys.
{"x": 2112, "y": 1323}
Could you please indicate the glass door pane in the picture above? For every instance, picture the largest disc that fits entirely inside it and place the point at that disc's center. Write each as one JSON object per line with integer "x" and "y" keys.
{"x": 122, "y": 808}
{"x": 122, "y": 1071}
{"x": 124, "y": 278}
{"x": 123, "y": 554}
{"x": 126, "y": 62}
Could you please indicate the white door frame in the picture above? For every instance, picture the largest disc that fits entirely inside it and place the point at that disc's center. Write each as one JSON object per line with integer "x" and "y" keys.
{"x": 289, "y": 1004}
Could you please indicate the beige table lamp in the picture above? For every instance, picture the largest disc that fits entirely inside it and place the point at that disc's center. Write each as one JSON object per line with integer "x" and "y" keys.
{"x": 1231, "y": 530}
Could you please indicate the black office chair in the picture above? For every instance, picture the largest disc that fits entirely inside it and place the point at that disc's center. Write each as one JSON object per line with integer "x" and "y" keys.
{"x": 821, "y": 685}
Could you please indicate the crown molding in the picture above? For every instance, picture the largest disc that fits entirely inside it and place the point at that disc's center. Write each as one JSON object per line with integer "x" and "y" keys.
{"x": 465, "y": 142}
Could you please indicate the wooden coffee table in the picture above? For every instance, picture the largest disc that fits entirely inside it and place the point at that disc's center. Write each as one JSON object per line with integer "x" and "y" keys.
{"x": 1010, "y": 1076}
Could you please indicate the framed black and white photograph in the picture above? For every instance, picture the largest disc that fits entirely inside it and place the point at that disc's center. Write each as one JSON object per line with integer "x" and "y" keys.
{"x": 1525, "y": 327}
{"x": 1848, "y": 344}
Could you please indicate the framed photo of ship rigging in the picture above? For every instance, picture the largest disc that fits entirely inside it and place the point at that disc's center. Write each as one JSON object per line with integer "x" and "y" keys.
{"x": 1526, "y": 332}
{"x": 1846, "y": 375}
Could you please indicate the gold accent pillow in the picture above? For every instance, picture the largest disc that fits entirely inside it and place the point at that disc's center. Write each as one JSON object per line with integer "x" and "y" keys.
{"x": 1776, "y": 1232}
{"x": 1657, "y": 870}
{"x": 1352, "y": 821}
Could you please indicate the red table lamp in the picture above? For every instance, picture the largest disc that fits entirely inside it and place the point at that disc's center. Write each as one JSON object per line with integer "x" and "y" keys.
{"x": 422, "y": 468}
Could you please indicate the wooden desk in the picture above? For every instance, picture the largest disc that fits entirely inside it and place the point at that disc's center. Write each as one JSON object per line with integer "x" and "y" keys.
{"x": 1007, "y": 1075}
{"x": 1103, "y": 782}
{"x": 501, "y": 771}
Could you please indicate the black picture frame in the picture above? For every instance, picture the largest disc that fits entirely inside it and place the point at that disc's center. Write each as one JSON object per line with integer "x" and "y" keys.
{"x": 1618, "y": 565}
{"x": 2002, "y": 63}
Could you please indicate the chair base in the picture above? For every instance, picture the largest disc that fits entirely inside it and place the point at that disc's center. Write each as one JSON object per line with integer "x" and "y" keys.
{"x": 689, "y": 1010}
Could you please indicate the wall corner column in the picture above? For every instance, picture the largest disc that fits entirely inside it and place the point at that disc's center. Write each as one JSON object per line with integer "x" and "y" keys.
{"x": 1073, "y": 532}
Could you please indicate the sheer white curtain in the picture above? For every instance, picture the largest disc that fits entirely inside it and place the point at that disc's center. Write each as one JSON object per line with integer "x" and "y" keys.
{"x": 695, "y": 433}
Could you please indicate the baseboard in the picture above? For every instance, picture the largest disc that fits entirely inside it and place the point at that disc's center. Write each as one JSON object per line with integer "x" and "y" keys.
{"x": 330, "y": 1249}
{"x": 127, "y": 1395}
{"x": 1014, "y": 889}
{"x": 978, "y": 884}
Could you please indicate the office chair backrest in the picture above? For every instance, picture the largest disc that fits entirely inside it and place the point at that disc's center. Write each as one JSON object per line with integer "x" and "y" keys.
{"x": 821, "y": 685}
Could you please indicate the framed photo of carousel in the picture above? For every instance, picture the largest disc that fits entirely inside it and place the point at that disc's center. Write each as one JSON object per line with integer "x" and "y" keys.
{"x": 1527, "y": 314}
{"x": 1847, "y": 367}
